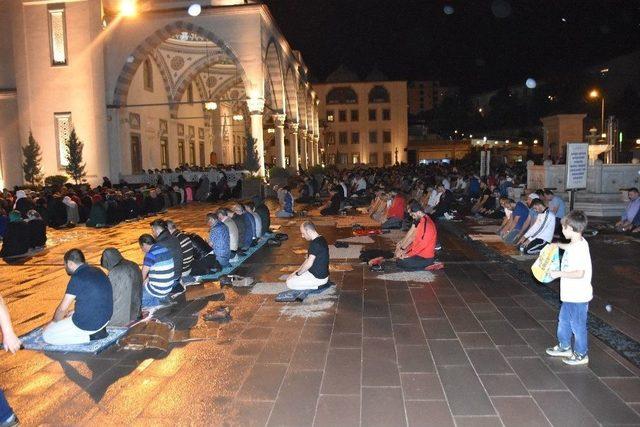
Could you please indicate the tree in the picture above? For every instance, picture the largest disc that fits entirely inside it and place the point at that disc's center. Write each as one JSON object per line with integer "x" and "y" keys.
{"x": 75, "y": 167}
{"x": 252, "y": 159}
{"x": 32, "y": 158}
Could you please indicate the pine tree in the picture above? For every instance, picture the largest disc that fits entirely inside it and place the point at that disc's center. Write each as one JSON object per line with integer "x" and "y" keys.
{"x": 74, "y": 167}
{"x": 32, "y": 158}
{"x": 252, "y": 160}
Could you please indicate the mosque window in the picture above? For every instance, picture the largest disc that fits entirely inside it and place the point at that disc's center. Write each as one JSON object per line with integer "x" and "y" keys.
{"x": 63, "y": 128}
{"x": 355, "y": 158}
{"x": 147, "y": 75}
{"x": 387, "y": 158}
{"x": 164, "y": 152}
{"x": 386, "y": 114}
{"x": 190, "y": 93}
{"x": 373, "y": 159}
{"x": 354, "y": 115}
{"x": 378, "y": 94}
{"x": 57, "y": 35}
{"x": 342, "y": 95}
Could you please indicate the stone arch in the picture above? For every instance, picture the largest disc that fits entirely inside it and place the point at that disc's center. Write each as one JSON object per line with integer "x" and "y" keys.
{"x": 146, "y": 48}
{"x": 302, "y": 105}
{"x": 379, "y": 95}
{"x": 291, "y": 95}
{"x": 274, "y": 75}
{"x": 342, "y": 95}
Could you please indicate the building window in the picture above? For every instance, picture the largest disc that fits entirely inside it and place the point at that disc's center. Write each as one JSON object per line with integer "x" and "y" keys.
{"x": 355, "y": 137}
{"x": 355, "y": 158}
{"x": 342, "y": 95}
{"x": 373, "y": 159}
{"x": 330, "y": 138}
{"x": 164, "y": 153}
{"x": 386, "y": 114}
{"x": 372, "y": 115}
{"x": 330, "y": 117}
{"x": 63, "y": 128}
{"x": 332, "y": 159}
{"x": 386, "y": 136}
{"x": 190, "y": 93}
{"x": 387, "y": 158}
{"x": 342, "y": 115}
{"x": 201, "y": 149}
{"x": 180, "y": 152}
{"x": 355, "y": 116}
{"x": 192, "y": 153}
{"x": 57, "y": 35}
{"x": 342, "y": 138}
{"x": 147, "y": 75}
{"x": 373, "y": 137}
{"x": 342, "y": 158}
{"x": 378, "y": 94}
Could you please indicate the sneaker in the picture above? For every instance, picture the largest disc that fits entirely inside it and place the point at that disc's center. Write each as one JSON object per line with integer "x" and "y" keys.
{"x": 435, "y": 266}
{"x": 576, "y": 359}
{"x": 10, "y": 422}
{"x": 558, "y": 351}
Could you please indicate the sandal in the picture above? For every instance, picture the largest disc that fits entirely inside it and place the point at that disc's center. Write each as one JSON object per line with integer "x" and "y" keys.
{"x": 220, "y": 314}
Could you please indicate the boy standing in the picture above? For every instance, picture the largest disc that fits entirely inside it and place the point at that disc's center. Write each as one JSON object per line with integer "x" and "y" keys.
{"x": 575, "y": 291}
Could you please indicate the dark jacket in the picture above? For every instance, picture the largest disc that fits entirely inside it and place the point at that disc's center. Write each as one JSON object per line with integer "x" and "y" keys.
{"x": 16, "y": 240}
{"x": 263, "y": 211}
{"x": 37, "y": 233}
{"x": 200, "y": 247}
{"x": 126, "y": 281}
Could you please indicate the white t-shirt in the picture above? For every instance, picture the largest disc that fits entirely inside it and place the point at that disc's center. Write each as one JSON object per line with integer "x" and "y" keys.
{"x": 446, "y": 184}
{"x": 361, "y": 184}
{"x": 576, "y": 257}
{"x": 543, "y": 228}
{"x": 434, "y": 198}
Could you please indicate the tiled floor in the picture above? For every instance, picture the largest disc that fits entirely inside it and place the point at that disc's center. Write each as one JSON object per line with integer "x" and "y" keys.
{"x": 465, "y": 349}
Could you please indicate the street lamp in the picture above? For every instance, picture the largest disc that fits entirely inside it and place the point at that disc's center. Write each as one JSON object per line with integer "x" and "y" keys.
{"x": 595, "y": 94}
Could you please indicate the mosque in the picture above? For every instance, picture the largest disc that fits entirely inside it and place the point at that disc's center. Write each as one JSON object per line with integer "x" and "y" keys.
{"x": 151, "y": 84}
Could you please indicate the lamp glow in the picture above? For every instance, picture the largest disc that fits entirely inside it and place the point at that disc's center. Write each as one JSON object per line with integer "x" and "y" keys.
{"x": 128, "y": 8}
{"x": 210, "y": 106}
{"x": 594, "y": 94}
{"x": 194, "y": 9}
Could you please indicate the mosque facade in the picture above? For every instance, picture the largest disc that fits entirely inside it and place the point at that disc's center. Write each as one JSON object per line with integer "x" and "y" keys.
{"x": 151, "y": 84}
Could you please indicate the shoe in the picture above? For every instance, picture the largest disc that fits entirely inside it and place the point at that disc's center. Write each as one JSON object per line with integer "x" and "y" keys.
{"x": 376, "y": 268}
{"x": 435, "y": 266}
{"x": 10, "y": 422}
{"x": 576, "y": 359}
{"x": 557, "y": 351}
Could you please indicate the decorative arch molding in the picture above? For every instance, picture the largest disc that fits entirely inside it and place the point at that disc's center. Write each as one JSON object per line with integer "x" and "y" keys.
{"x": 342, "y": 95}
{"x": 291, "y": 94}
{"x": 302, "y": 106}
{"x": 379, "y": 95}
{"x": 146, "y": 48}
{"x": 274, "y": 75}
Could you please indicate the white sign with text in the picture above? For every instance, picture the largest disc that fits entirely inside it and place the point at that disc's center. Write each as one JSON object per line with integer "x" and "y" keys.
{"x": 577, "y": 165}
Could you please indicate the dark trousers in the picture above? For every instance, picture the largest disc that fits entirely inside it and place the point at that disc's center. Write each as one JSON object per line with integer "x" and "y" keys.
{"x": 414, "y": 263}
{"x": 5, "y": 409}
{"x": 392, "y": 224}
{"x": 535, "y": 246}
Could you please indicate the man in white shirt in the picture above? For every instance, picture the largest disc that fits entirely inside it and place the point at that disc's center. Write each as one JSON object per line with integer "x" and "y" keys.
{"x": 540, "y": 234}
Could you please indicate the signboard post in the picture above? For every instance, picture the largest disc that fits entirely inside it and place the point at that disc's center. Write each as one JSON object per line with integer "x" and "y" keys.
{"x": 483, "y": 162}
{"x": 577, "y": 164}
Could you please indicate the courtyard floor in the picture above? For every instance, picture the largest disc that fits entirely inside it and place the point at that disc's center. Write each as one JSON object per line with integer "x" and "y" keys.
{"x": 463, "y": 346}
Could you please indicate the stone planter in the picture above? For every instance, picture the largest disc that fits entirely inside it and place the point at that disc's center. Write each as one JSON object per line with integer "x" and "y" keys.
{"x": 251, "y": 188}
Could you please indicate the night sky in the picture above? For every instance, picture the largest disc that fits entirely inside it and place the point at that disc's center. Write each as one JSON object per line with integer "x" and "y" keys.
{"x": 483, "y": 44}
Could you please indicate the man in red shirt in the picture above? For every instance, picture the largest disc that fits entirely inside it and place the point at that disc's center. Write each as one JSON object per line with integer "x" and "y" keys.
{"x": 395, "y": 213}
{"x": 420, "y": 253}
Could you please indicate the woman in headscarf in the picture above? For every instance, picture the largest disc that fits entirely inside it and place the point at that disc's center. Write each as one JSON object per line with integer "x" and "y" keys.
{"x": 57, "y": 211}
{"x": 16, "y": 239}
{"x": 203, "y": 189}
{"x": 73, "y": 214}
{"x": 98, "y": 214}
{"x": 23, "y": 203}
{"x": 37, "y": 230}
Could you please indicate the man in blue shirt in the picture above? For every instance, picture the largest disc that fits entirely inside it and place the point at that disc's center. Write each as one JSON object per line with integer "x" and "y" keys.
{"x": 626, "y": 222}
{"x": 248, "y": 233}
{"x": 557, "y": 207}
{"x": 513, "y": 229}
{"x": 219, "y": 239}
{"x": 91, "y": 290}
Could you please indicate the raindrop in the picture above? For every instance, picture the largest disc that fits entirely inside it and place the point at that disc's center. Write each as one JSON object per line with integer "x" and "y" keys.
{"x": 501, "y": 8}
{"x": 531, "y": 83}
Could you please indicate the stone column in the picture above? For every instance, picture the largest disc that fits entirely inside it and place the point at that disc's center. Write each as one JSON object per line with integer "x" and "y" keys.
{"x": 303, "y": 148}
{"x": 256, "y": 106}
{"x": 293, "y": 146}
{"x": 316, "y": 149}
{"x": 278, "y": 122}
{"x": 310, "y": 162}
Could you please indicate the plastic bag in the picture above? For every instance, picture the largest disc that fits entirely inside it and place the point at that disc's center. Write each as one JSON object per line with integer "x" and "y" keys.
{"x": 548, "y": 260}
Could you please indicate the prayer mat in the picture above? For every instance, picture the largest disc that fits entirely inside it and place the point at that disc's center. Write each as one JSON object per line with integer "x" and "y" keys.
{"x": 352, "y": 252}
{"x": 485, "y": 228}
{"x": 150, "y": 334}
{"x": 300, "y": 251}
{"x": 490, "y": 238}
{"x": 408, "y": 276}
{"x": 33, "y": 341}
{"x": 357, "y": 239}
{"x": 332, "y": 268}
{"x": 269, "y": 288}
{"x": 230, "y": 269}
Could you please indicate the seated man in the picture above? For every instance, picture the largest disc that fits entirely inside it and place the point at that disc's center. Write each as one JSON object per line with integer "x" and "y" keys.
{"x": 540, "y": 234}
{"x": 126, "y": 284}
{"x": 16, "y": 238}
{"x": 314, "y": 271}
{"x": 219, "y": 239}
{"x": 332, "y": 207}
{"x": 163, "y": 237}
{"x": 91, "y": 290}
{"x": 630, "y": 212}
{"x": 286, "y": 203}
{"x": 158, "y": 272}
{"x": 395, "y": 213}
{"x": 263, "y": 212}
{"x": 247, "y": 229}
{"x": 420, "y": 253}
{"x": 444, "y": 201}
{"x": 251, "y": 209}
{"x": 513, "y": 230}
{"x": 186, "y": 247}
{"x": 224, "y": 215}
{"x": 204, "y": 260}
{"x": 557, "y": 207}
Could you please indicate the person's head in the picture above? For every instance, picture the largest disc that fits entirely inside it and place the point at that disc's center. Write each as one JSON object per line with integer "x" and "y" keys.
{"x": 633, "y": 193}
{"x": 237, "y": 208}
{"x": 531, "y": 197}
{"x": 538, "y": 205}
{"x": 249, "y": 206}
{"x": 507, "y": 203}
{"x": 158, "y": 226}
{"x": 416, "y": 211}
{"x": 146, "y": 241}
{"x": 222, "y": 214}
{"x": 308, "y": 230}
{"x": 212, "y": 218}
{"x": 73, "y": 259}
{"x": 33, "y": 214}
{"x": 440, "y": 188}
{"x": 574, "y": 224}
{"x": 171, "y": 226}
{"x": 548, "y": 195}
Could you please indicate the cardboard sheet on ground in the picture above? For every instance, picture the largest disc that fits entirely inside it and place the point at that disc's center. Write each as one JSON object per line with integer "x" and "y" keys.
{"x": 489, "y": 238}
{"x": 485, "y": 228}
{"x": 548, "y": 260}
{"x": 33, "y": 341}
{"x": 352, "y": 252}
{"x": 365, "y": 240}
{"x": 269, "y": 288}
{"x": 408, "y": 276}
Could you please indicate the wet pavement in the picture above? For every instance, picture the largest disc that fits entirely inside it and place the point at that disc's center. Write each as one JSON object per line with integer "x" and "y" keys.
{"x": 463, "y": 346}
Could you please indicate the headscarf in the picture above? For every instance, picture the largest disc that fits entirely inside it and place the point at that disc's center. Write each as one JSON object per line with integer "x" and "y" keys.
{"x": 15, "y": 216}
{"x": 67, "y": 201}
{"x": 20, "y": 194}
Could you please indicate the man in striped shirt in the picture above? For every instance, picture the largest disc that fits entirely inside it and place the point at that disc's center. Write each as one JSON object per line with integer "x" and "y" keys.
{"x": 158, "y": 272}
{"x": 186, "y": 247}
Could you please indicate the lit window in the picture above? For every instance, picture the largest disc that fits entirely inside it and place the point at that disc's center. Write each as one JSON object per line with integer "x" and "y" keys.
{"x": 330, "y": 117}
{"x": 57, "y": 35}
{"x": 147, "y": 75}
{"x": 355, "y": 158}
{"x": 63, "y": 128}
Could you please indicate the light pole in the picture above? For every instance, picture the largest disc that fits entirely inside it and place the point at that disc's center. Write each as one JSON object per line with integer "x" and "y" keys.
{"x": 595, "y": 94}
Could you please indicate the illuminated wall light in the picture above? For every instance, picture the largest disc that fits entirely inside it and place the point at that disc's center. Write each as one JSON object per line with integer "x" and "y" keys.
{"x": 194, "y": 9}
{"x": 604, "y": 135}
{"x": 507, "y": 141}
{"x": 271, "y": 130}
{"x": 238, "y": 117}
{"x": 128, "y": 8}
{"x": 210, "y": 106}
{"x": 519, "y": 142}
{"x": 535, "y": 141}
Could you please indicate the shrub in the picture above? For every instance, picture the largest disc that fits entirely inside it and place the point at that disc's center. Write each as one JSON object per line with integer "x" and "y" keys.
{"x": 56, "y": 180}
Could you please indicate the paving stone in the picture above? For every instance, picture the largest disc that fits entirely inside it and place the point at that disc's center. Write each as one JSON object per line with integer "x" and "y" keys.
{"x": 519, "y": 318}
{"x": 421, "y": 386}
{"x": 475, "y": 340}
{"x": 335, "y": 410}
{"x": 310, "y": 355}
{"x": 562, "y": 408}
{"x": 448, "y": 352}
{"x": 408, "y": 335}
{"x": 279, "y": 351}
{"x": 534, "y": 374}
{"x": 502, "y": 333}
{"x": 301, "y": 387}
{"x": 342, "y": 372}
{"x": 376, "y": 308}
{"x": 346, "y": 340}
{"x": 377, "y": 327}
{"x": 414, "y": 358}
{"x": 428, "y": 414}
{"x": 379, "y": 363}
{"x": 627, "y": 388}
{"x": 465, "y": 393}
{"x": 438, "y": 329}
{"x": 263, "y": 382}
{"x": 383, "y": 406}
{"x": 519, "y": 411}
{"x": 478, "y": 422}
{"x": 488, "y": 361}
{"x": 403, "y": 314}
{"x": 462, "y": 320}
{"x": 503, "y": 385}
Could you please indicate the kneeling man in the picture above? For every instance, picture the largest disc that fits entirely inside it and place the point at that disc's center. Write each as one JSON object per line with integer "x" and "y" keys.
{"x": 314, "y": 271}
{"x": 91, "y": 290}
